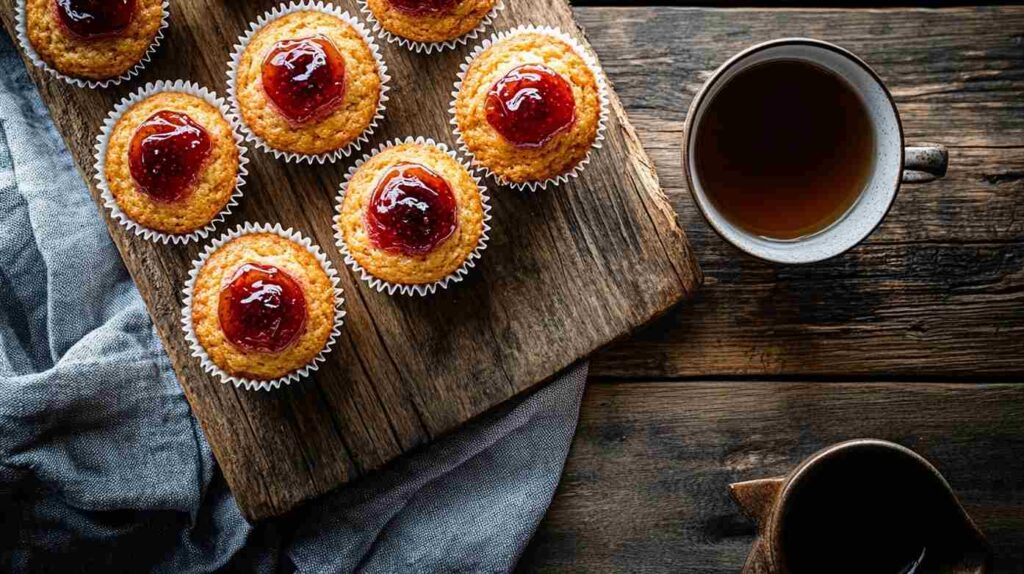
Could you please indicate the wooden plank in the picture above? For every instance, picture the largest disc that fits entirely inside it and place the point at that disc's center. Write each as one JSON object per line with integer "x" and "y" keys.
{"x": 937, "y": 291}
{"x": 566, "y": 272}
{"x": 644, "y": 489}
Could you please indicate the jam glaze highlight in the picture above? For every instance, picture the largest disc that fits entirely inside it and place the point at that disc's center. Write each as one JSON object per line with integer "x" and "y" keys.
{"x": 261, "y": 309}
{"x": 166, "y": 154}
{"x": 304, "y": 78}
{"x": 530, "y": 105}
{"x": 412, "y": 211}
{"x": 94, "y": 19}
{"x": 423, "y": 7}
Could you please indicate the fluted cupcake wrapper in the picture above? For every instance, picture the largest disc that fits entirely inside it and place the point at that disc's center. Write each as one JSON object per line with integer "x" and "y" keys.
{"x": 21, "y": 25}
{"x": 429, "y": 47}
{"x": 422, "y": 289}
{"x": 364, "y": 32}
{"x": 103, "y": 141}
{"x": 602, "y": 93}
{"x": 196, "y": 347}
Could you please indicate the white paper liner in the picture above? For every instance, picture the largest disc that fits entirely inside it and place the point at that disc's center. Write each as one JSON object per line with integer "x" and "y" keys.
{"x": 186, "y": 312}
{"x": 425, "y": 288}
{"x": 428, "y": 47}
{"x": 21, "y": 24}
{"x": 303, "y": 6}
{"x": 103, "y": 140}
{"x": 602, "y": 94}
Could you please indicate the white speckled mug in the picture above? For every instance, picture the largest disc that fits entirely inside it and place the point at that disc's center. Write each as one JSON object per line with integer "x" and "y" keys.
{"x": 893, "y": 164}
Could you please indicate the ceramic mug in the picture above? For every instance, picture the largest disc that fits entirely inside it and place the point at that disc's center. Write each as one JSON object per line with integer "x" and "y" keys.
{"x": 954, "y": 541}
{"x": 894, "y": 164}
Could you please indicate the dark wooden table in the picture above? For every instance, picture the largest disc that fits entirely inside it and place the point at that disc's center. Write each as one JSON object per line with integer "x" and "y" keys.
{"x": 916, "y": 336}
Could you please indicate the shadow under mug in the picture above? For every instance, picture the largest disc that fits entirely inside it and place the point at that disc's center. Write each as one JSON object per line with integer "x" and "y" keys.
{"x": 955, "y": 545}
{"x": 893, "y": 164}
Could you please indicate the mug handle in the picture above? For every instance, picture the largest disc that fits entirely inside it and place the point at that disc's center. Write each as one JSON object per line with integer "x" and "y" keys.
{"x": 756, "y": 498}
{"x": 924, "y": 163}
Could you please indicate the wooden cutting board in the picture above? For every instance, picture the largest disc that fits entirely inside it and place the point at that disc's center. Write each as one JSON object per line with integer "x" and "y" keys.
{"x": 567, "y": 271}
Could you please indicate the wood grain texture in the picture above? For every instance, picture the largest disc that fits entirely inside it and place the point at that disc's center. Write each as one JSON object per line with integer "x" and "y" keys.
{"x": 566, "y": 272}
{"x": 645, "y": 488}
{"x": 937, "y": 291}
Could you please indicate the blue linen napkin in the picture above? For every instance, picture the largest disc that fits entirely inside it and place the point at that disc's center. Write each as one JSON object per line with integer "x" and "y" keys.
{"x": 104, "y": 468}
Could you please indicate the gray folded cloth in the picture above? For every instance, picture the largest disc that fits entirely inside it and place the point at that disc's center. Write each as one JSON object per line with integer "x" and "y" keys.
{"x": 104, "y": 468}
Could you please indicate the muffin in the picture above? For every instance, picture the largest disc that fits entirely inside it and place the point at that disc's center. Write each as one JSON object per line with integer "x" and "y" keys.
{"x": 410, "y": 216}
{"x": 529, "y": 106}
{"x": 93, "y": 41}
{"x": 431, "y": 21}
{"x": 308, "y": 81}
{"x": 171, "y": 162}
{"x": 262, "y": 305}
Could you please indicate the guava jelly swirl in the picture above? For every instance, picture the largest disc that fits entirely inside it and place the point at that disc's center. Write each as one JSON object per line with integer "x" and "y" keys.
{"x": 423, "y": 7}
{"x": 412, "y": 211}
{"x": 262, "y": 308}
{"x": 95, "y": 18}
{"x": 166, "y": 154}
{"x": 304, "y": 78}
{"x": 530, "y": 105}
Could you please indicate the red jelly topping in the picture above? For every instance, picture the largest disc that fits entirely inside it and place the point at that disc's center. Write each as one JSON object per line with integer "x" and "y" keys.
{"x": 262, "y": 308}
{"x": 412, "y": 211}
{"x": 530, "y": 105}
{"x": 166, "y": 153}
{"x": 95, "y": 18}
{"x": 421, "y": 7}
{"x": 304, "y": 78}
